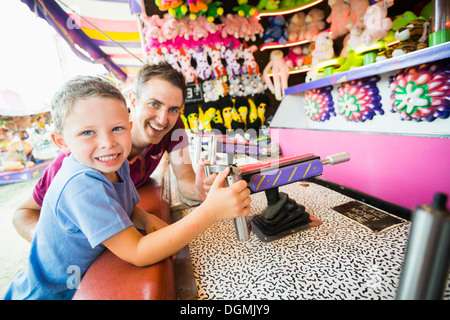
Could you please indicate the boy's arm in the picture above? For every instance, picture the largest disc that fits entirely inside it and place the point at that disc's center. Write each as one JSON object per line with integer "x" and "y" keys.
{"x": 26, "y": 217}
{"x": 143, "y": 220}
{"x": 222, "y": 203}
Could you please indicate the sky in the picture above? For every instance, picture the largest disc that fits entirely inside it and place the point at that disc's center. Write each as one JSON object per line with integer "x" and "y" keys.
{"x": 29, "y": 59}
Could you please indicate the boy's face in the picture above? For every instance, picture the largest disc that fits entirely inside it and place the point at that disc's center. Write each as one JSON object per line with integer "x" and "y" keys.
{"x": 156, "y": 112}
{"x": 97, "y": 132}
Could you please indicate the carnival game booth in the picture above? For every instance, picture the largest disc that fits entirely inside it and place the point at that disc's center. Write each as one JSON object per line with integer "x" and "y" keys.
{"x": 362, "y": 83}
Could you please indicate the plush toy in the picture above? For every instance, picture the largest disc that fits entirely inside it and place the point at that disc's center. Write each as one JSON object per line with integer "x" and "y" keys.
{"x": 249, "y": 65}
{"x": 275, "y": 32}
{"x": 191, "y": 113}
{"x": 294, "y": 57}
{"x": 214, "y": 10}
{"x": 314, "y": 23}
{"x": 261, "y": 102}
{"x": 323, "y": 51}
{"x": 216, "y": 62}
{"x": 196, "y": 6}
{"x": 280, "y": 74}
{"x": 169, "y": 28}
{"x": 402, "y": 20}
{"x": 413, "y": 37}
{"x": 206, "y": 114}
{"x": 203, "y": 68}
{"x": 340, "y": 12}
{"x": 244, "y": 9}
{"x": 247, "y": 84}
{"x": 296, "y": 26}
{"x": 178, "y": 12}
{"x": 354, "y": 38}
{"x": 357, "y": 10}
{"x": 164, "y": 5}
{"x": 258, "y": 85}
{"x": 253, "y": 121}
{"x": 255, "y": 26}
{"x": 236, "y": 87}
{"x": 242, "y": 107}
{"x": 172, "y": 56}
{"x": 236, "y": 121}
{"x": 230, "y": 26}
{"x": 187, "y": 69}
{"x": 376, "y": 22}
{"x": 209, "y": 94}
{"x": 232, "y": 66}
{"x": 217, "y": 123}
{"x": 226, "y": 107}
{"x": 270, "y": 5}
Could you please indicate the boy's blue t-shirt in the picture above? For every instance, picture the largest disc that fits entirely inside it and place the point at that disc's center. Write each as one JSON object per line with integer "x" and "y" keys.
{"x": 81, "y": 209}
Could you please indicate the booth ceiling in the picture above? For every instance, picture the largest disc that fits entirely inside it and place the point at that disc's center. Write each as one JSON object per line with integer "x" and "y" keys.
{"x": 99, "y": 31}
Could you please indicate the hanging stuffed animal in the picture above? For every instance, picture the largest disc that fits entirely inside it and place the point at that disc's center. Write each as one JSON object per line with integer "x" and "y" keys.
{"x": 258, "y": 85}
{"x": 209, "y": 94}
{"x": 280, "y": 74}
{"x": 236, "y": 87}
{"x": 216, "y": 62}
{"x": 232, "y": 66}
{"x": 203, "y": 68}
{"x": 249, "y": 65}
{"x": 242, "y": 107}
{"x": 190, "y": 74}
{"x": 254, "y": 122}
{"x": 191, "y": 113}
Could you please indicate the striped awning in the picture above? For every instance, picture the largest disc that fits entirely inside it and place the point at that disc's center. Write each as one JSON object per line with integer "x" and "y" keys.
{"x": 103, "y": 31}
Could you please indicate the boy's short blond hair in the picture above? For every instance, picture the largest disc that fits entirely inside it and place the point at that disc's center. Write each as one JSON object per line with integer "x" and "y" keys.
{"x": 80, "y": 88}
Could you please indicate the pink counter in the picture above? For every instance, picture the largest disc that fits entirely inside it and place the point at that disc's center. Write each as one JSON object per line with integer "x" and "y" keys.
{"x": 404, "y": 170}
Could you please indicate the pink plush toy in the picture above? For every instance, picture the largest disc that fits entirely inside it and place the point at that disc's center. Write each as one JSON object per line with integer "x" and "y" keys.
{"x": 357, "y": 10}
{"x": 169, "y": 28}
{"x": 314, "y": 23}
{"x": 294, "y": 57}
{"x": 376, "y": 22}
{"x": 296, "y": 27}
{"x": 280, "y": 74}
{"x": 230, "y": 26}
{"x": 340, "y": 12}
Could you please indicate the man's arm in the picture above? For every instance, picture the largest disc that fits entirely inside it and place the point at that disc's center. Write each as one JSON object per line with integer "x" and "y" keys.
{"x": 26, "y": 217}
{"x": 189, "y": 184}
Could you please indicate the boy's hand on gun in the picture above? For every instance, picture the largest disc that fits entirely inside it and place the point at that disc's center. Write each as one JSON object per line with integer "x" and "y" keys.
{"x": 228, "y": 202}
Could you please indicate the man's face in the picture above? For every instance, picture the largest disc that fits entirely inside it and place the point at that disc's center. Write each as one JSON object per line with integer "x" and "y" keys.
{"x": 156, "y": 111}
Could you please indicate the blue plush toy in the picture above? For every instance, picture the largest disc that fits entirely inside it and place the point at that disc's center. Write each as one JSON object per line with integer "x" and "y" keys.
{"x": 276, "y": 31}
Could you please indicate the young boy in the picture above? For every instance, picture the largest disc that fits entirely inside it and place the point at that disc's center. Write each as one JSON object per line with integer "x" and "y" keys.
{"x": 91, "y": 203}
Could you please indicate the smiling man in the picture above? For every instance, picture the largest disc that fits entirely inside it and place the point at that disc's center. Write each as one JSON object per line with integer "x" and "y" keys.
{"x": 158, "y": 96}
